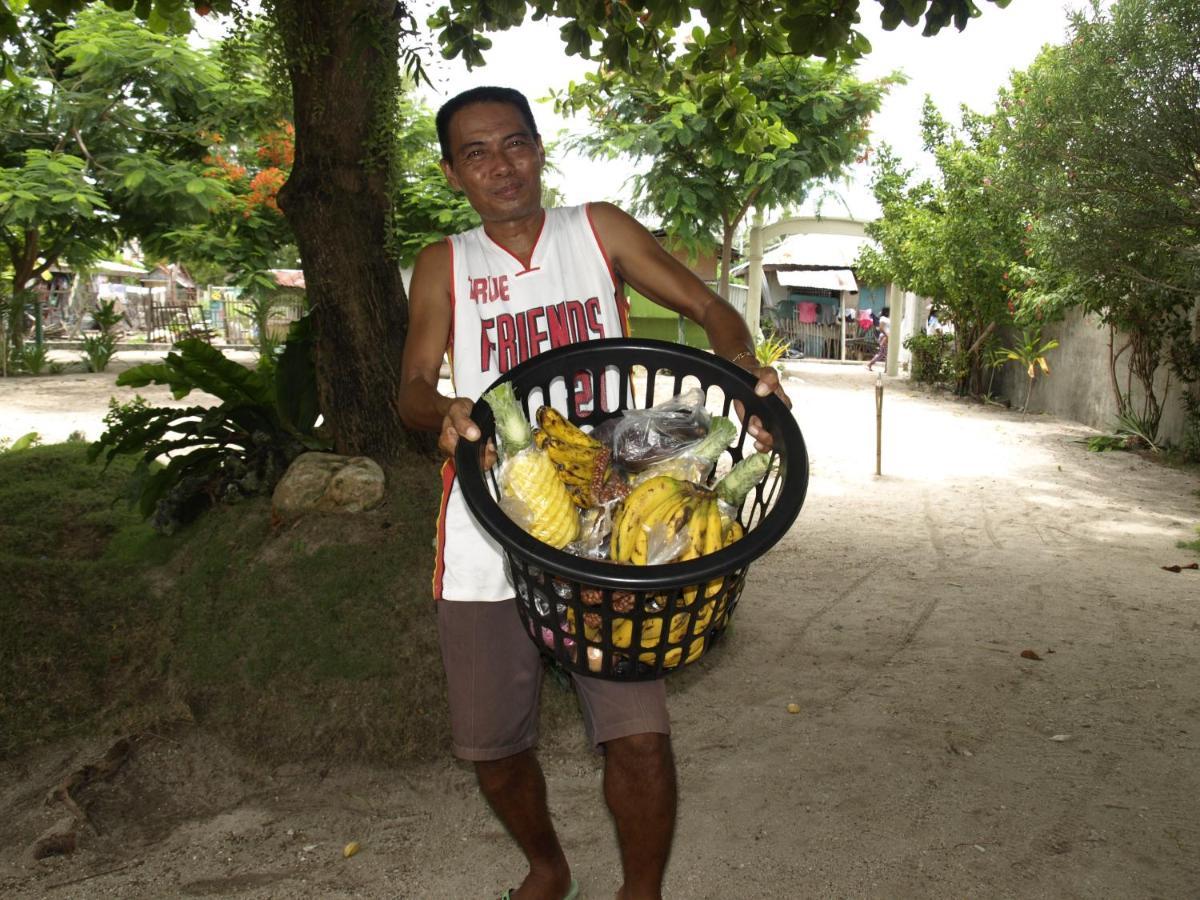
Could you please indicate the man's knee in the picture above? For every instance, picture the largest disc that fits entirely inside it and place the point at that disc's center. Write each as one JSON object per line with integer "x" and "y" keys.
{"x": 639, "y": 750}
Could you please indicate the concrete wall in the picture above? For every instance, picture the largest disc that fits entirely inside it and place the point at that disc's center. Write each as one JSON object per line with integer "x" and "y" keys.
{"x": 1079, "y": 387}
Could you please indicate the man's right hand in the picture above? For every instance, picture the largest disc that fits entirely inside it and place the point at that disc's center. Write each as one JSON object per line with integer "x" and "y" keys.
{"x": 458, "y": 423}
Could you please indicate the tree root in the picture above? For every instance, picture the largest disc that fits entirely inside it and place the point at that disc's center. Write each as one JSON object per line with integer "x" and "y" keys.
{"x": 64, "y": 840}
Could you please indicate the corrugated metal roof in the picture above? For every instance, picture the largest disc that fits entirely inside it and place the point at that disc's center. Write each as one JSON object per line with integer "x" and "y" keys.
{"x": 825, "y": 279}
{"x": 817, "y": 251}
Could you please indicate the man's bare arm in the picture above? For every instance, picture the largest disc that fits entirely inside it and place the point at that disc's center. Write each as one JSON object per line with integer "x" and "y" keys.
{"x": 422, "y": 405}
{"x": 642, "y": 262}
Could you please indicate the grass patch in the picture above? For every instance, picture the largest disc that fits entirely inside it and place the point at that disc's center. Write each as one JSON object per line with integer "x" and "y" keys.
{"x": 1194, "y": 546}
{"x": 310, "y": 639}
{"x": 79, "y": 636}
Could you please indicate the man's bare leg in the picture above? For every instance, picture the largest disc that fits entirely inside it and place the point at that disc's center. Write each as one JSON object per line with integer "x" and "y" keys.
{"x": 516, "y": 790}
{"x": 639, "y": 785}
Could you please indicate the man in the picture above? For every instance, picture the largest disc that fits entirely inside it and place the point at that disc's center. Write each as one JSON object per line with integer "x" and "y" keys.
{"x": 527, "y": 279}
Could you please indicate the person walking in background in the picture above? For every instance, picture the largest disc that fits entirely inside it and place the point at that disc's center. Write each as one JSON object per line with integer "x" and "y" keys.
{"x": 885, "y": 328}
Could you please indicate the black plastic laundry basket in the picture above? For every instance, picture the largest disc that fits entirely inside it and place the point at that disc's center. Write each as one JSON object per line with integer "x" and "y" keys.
{"x": 628, "y": 622}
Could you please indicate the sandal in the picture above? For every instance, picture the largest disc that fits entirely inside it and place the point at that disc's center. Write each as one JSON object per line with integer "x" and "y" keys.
{"x": 572, "y": 892}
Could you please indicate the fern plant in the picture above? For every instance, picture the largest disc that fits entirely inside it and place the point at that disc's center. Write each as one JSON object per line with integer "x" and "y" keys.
{"x": 196, "y": 456}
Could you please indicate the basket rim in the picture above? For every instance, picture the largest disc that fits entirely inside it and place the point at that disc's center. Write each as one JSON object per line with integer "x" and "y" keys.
{"x": 606, "y": 574}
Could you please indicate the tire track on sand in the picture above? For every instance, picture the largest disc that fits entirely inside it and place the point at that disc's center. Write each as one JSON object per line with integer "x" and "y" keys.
{"x": 871, "y": 669}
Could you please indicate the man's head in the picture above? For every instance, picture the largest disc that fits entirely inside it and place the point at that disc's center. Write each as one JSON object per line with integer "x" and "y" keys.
{"x": 486, "y": 94}
{"x": 491, "y": 152}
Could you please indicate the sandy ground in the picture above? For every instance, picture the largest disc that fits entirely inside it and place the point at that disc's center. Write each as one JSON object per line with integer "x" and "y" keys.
{"x": 929, "y": 758}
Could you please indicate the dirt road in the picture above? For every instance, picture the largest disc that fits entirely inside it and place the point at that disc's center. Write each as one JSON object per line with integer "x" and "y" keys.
{"x": 929, "y": 758}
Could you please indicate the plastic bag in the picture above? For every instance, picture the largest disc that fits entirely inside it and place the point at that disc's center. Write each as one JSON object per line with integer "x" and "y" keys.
{"x": 641, "y": 437}
{"x": 595, "y": 532}
{"x": 664, "y": 547}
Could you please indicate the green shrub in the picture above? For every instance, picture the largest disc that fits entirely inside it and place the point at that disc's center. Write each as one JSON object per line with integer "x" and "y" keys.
{"x": 195, "y": 456}
{"x": 33, "y": 359}
{"x": 98, "y": 349}
{"x": 932, "y": 358}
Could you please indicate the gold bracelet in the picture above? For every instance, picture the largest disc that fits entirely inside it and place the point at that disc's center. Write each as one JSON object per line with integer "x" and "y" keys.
{"x": 749, "y": 353}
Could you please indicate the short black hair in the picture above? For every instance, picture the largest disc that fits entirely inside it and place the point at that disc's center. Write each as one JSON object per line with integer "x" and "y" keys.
{"x": 485, "y": 94}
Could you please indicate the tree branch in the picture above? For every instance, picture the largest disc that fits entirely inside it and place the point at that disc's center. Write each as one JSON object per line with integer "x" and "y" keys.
{"x": 750, "y": 198}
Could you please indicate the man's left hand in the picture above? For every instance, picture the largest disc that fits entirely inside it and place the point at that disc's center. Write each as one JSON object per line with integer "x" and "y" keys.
{"x": 768, "y": 383}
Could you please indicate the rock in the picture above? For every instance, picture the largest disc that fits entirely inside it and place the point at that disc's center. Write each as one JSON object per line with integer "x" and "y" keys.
{"x": 327, "y": 482}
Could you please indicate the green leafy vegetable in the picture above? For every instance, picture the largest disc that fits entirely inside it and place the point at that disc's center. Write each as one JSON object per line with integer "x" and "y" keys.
{"x": 737, "y": 483}
{"x": 512, "y": 428}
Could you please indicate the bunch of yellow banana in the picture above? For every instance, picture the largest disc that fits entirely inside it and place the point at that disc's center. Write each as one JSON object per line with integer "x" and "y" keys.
{"x": 673, "y": 656}
{"x": 582, "y": 463}
{"x": 672, "y": 505}
{"x": 662, "y": 500}
{"x": 651, "y": 634}
{"x": 709, "y": 530}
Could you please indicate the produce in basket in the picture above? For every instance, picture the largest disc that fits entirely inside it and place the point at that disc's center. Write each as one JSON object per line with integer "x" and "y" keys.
{"x": 738, "y": 481}
{"x": 581, "y": 461}
{"x": 696, "y": 461}
{"x": 534, "y": 497}
{"x": 642, "y": 437}
{"x": 666, "y": 518}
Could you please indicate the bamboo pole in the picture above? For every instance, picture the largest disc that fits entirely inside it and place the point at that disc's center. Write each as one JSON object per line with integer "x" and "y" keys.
{"x": 879, "y": 424}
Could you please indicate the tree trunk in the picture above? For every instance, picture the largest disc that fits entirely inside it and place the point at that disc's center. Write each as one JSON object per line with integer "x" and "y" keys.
{"x": 23, "y": 271}
{"x": 343, "y": 59}
{"x": 726, "y": 262}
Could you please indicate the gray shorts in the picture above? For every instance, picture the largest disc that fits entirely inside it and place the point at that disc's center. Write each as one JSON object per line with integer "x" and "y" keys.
{"x": 494, "y": 673}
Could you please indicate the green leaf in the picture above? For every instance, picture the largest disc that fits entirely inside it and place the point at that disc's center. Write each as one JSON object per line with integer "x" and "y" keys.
{"x": 196, "y": 186}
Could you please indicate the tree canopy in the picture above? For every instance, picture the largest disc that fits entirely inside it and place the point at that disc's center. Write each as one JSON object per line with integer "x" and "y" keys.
{"x": 1102, "y": 138}
{"x": 101, "y": 140}
{"x": 760, "y": 134}
{"x": 342, "y": 61}
{"x": 953, "y": 238}
{"x": 641, "y": 37}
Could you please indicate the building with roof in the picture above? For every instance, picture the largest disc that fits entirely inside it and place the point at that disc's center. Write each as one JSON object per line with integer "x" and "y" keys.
{"x": 804, "y": 290}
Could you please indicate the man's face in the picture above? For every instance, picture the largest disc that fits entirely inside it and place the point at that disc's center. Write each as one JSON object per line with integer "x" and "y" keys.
{"x": 495, "y": 161}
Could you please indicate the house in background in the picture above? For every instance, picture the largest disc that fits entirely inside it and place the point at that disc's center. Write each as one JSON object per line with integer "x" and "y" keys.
{"x": 804, "y": 289}
{"x": 811, "y": 298}
{"x": 649, "y": 320}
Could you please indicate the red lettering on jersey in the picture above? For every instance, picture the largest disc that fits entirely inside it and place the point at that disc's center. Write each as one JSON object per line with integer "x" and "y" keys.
{"x": 595, "y": 327}
{"x": 478, "y": 291}
{"x": 579, "y": 329}
{"x": 489, "y": 290}
{"x": 485, "y": 344}
{"x": 506, "y": 343}
{"x": 522, "y": 337}
{"x": 559, "y": 324}
{"x": 582, "y": 395}
{"x": 537, "y": 334}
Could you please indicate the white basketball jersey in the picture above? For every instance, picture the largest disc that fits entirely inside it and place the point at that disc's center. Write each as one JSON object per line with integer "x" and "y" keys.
{"x": 505, "y": 312}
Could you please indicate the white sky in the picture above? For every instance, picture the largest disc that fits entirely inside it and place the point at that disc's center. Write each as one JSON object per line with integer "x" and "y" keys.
{"x": 954, "y": 68}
